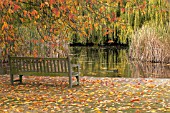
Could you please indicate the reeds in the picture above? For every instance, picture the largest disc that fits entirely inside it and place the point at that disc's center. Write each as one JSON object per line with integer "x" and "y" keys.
{"x": 151, "y": 43}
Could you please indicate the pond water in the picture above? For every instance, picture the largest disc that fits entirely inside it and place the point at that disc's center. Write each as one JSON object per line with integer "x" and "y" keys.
{"x": 111, "y": 62}
{"x": 114, "y": 62}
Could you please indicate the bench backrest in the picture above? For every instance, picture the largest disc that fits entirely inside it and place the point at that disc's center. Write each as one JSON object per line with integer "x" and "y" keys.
{"x": 39, "y": 65}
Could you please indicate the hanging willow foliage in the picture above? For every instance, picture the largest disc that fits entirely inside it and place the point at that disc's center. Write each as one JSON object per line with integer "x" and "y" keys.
{"x": 117, "y": 20}
{"x": 76, "y": 21}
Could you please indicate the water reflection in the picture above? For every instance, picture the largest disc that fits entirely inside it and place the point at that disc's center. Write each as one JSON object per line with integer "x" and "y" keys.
{"x": 146, "y": 70}
{"x": 101, "y": 61}
{"x": 113, "y": 62}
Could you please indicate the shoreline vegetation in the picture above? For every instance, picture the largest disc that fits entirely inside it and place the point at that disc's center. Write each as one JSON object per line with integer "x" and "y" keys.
{"x": 151, "y": 44}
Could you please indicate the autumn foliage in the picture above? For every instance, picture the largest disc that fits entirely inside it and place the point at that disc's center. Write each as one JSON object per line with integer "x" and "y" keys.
{"x": 32, "y": 23}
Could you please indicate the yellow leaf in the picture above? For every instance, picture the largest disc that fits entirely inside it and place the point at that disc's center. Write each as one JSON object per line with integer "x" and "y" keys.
{"x": 86, "y": 104}
{"x": 108, "y": 1}
{"x": 113, "y": 109}
{"x": 96, "y": 25}
{"x": 2, "y": 45}
{"x": 45, "y": 26}
{"x": 98, "y": 112}
{"x": 18, "y": 98}
{"x": 60, "y": 100}
{"x": 35, "y": 22}
{"x": 22, "y": 20}
{"x": 10, "y": 11}
{"x": 97, "y": 109}
{"x": 153, "y": 111}
{"x": 111, "y": 93}
{"x": 5, "y": 25}
{"x": 25, "y": 12}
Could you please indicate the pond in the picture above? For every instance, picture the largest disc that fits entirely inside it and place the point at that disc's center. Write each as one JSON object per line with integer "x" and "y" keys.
{"x": 111, "y": 62}
{"x": 114, "y": 62}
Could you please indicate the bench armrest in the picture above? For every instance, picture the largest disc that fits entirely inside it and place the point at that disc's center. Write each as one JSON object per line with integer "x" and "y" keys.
{"x": 77, "y": 66}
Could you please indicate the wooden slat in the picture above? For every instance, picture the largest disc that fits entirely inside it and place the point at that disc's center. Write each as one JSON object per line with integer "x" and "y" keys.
{"x": 44, "y": 74}
{"x": 51, "y": 66}
{"x": 44, "y": 65}
{"x": 17, "y": 65}
{"x": 30, "y": 65}
{"x": 40, "y": 62}
{"x": 58, "y": 66}
{"x": 20, "y": 63}
{"x": 37, "y": 65}
{"x": 23, "y": 68}
{"x": 47, "y": 66}
{"x": 27, "y": 68}
{"x": 54, "y": 61}
{"x": 65, "y": 66}
{"x": 12, "y": 63}
{"x": 23, "y": 60}
{"x": 34, "y": 64}
{"x": 61, "y": 64}
{"x": 24, "y": 65}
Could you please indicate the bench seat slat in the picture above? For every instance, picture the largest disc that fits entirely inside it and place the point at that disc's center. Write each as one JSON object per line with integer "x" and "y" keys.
{"x": 43, "y": 74}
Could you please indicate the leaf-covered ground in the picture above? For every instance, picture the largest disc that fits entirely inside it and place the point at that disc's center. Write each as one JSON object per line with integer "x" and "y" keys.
{"x": 94, "y": 95}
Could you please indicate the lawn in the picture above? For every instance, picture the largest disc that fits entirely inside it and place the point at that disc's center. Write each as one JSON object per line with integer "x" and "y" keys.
{"x": 94, "y": 95}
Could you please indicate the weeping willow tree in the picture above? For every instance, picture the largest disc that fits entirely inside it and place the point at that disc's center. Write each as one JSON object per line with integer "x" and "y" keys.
{"x": 116, "y": 21}
{"x": 32, "y": 23}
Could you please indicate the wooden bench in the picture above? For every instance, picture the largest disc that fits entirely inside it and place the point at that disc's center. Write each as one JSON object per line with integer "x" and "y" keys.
{"x": 42, "y": 67}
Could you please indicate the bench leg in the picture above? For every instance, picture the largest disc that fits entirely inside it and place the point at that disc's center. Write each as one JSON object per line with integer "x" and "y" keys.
{"x": 70, "y": 82}
{"x": 20, "y": 79}
{"x": 12, "y": 79}
{"x": 78, "y": 80}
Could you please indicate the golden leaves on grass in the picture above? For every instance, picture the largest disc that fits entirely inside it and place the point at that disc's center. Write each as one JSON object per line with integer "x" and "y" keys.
{"x": 98, "y": 95}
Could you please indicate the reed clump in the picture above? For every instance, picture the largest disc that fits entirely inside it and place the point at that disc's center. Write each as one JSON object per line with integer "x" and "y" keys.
{"x": 151, "y": 43}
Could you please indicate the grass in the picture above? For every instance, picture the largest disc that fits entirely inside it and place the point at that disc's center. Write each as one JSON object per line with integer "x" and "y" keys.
{"x": 94, "y": 95}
